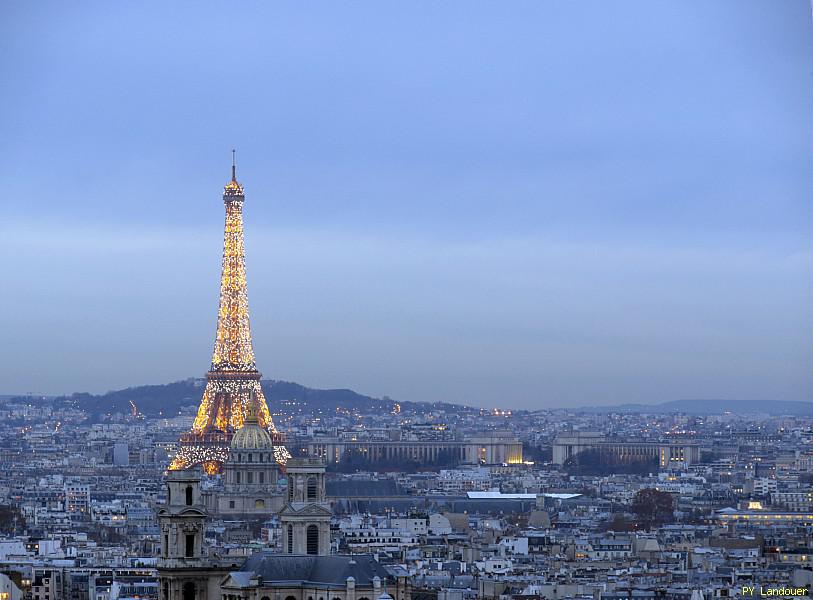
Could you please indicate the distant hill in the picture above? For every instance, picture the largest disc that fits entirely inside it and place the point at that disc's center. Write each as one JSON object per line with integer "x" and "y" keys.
{"x": 712, "y": 406}
{"x": 154, "y": 400}
{"x": 168, "y": 399}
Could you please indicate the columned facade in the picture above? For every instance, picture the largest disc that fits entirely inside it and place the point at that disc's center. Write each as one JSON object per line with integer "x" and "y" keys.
{"x": 184, "y": 569}
{"x": 305, "y": 519}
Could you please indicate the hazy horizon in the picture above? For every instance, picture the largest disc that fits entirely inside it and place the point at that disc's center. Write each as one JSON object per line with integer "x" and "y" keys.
{"x": 540, "y": 204}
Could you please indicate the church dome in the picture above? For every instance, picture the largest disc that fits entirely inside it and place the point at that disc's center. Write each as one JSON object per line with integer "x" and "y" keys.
{"x": 251, "y": 436}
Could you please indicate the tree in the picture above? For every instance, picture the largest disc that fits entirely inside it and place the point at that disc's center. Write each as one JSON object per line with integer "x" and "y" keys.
{"x": 652, "y": 507}
{"x": 618, "y": 523}
{"x": 12, "y": 520}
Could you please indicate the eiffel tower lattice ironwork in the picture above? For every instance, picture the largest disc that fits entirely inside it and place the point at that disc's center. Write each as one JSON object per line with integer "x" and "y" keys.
{"x": 233, "y": 381}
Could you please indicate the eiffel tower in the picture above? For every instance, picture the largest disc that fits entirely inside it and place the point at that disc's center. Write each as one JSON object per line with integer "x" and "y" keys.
{"x": 233, "y": 381}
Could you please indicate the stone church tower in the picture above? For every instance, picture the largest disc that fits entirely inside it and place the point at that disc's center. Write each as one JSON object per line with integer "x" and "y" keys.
{"x": 305, "y": 518}
{"x": 185, "y": 571}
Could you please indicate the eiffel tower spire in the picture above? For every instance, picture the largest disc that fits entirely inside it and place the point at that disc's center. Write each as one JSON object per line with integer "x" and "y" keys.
{"x": 233, "y": 390}
{"x": 233, "y": 349}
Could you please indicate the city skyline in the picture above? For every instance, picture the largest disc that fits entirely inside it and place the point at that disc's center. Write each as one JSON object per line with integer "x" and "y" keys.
{"x": 619, "y": 213}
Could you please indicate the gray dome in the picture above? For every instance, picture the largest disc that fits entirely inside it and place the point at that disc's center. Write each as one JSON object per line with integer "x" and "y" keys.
{"x": 252, "y": 437}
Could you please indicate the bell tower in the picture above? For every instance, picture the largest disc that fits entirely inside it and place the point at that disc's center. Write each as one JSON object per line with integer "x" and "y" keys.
{"x": 183, "y": 564}
{"x": 305, "y": 518}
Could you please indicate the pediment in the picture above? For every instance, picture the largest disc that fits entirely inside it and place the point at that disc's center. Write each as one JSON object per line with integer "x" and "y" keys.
{"x": 184, "y": 511}
{"x": 239, "y": 579}
{"x": 306, "y": 510}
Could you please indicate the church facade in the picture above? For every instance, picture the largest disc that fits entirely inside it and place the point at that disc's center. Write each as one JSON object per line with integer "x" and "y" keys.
{"x": 303, "y": 570}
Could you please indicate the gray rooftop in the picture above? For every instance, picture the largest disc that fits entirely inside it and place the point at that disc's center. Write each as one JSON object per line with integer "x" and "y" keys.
{"x": 331, "y": 571}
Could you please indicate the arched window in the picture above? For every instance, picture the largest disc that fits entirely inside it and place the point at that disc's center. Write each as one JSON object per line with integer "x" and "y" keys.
{"x": 312, "y": 539}
{"x": 312, "y": 491}
{"x": 259, "y": 503}
{"x": 290, "y": 539}
{"x": 189, "y": 495}
{"x": 189, "y": 591}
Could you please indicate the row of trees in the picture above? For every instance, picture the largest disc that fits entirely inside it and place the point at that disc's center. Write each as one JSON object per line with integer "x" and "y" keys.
{"x": 354, "y": 460}
{"x": 600, "y": 461}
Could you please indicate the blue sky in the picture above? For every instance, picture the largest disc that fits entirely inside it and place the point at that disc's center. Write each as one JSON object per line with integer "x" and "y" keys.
{"x": 523, "y": 204}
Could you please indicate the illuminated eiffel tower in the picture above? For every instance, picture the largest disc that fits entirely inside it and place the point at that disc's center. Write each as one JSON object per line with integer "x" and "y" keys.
{"x": 233, "y": 382}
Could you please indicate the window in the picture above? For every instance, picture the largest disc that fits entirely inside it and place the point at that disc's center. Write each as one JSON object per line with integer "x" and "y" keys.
{"x": 312, "y": 541}
{"x": 237, "y": 476}
{"x": 169, "y": 495}
{"x": 312, "y": 489}
{"x": 250, "y": 477}
{"x": 189, "y": 591}
{"x": 290, "y": 539}
{"x": 262, "y": 476}
{"x": 166, "y": 546}
{"x": 250, "y": 456}
{"x": 259, "y": 503}
{"x": 231, "y": 503}
{"x": 189, "y": 495}
{"x": 190, "y": 545}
